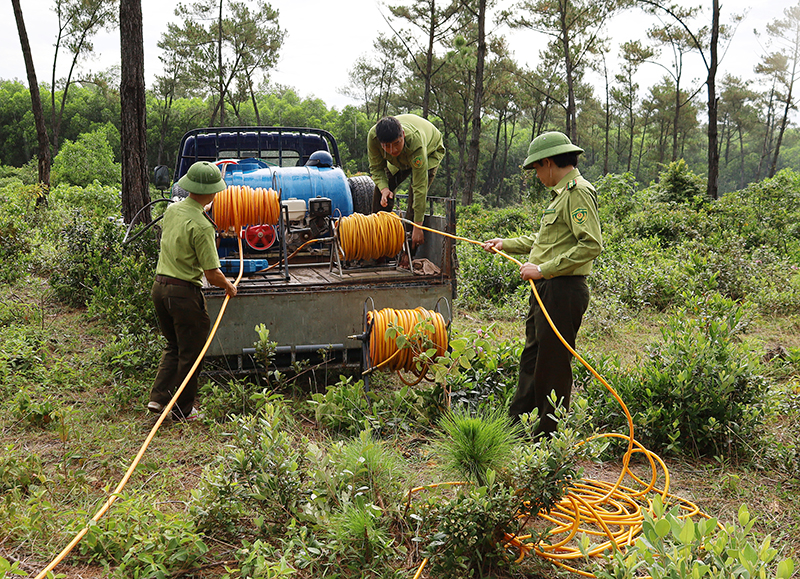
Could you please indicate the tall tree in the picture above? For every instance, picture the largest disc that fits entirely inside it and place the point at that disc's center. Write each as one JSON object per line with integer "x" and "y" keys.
{"x": 575, "y": 27}
{"x": 36, "y": 102}
{"x": 710, "y": 55}
{"x": 78, "y": 22}
{"x": 738, "y": 119}
{"x": 632, "y": 55}
{"x": 436, "y": 22}
{"x": 375, "y": 80}
{"x": 225, "y": 44}
{"x": 786, "y": 32}
{"x": 478, "y": 11}
{"x": 680, "y": 42}
{"x": 133, "y": 125}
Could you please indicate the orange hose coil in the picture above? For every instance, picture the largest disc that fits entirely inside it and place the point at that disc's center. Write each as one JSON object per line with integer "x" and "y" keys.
{"x": 239, "y": 206}
{"x": 370, "y": 236}
{"x": 384, "y": 351}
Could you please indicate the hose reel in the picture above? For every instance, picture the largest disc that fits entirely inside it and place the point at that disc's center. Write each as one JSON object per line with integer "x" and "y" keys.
{"x": 422, "y": 329}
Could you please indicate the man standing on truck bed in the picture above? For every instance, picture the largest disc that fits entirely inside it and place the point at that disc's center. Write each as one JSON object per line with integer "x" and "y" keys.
{"x": 398, "y": 147}
{"x": 188, "y": 250}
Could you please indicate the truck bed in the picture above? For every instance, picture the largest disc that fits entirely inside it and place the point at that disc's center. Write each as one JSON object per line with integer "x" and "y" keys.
{"x": 316, "y": 308}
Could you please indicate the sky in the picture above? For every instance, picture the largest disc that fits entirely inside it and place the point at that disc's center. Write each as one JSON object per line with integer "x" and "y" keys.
{"x": 325, "y": 37}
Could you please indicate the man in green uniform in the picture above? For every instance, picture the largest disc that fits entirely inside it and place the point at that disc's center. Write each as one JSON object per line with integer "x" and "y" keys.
{"x": 560, "y": 257}
{"x": 398, "y": 147}
{"x": 188, "y": 250}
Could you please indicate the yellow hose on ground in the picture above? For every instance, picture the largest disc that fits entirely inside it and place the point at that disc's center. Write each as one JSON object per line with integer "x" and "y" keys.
{"x": 594, "y": 508}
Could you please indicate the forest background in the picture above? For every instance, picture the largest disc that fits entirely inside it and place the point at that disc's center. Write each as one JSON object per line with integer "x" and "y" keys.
{"x": 584, "y": 80}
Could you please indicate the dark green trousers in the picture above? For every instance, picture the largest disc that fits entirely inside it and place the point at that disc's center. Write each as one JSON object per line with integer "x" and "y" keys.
{"x": 545, "y": 363}
{"x": 184, "y": 322}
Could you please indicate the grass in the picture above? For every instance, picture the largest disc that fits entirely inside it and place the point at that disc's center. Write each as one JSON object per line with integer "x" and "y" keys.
{"x": 85, "y": 421}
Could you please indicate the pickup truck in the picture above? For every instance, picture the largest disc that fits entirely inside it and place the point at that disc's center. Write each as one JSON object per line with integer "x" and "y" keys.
{"x": 312, "y": 302}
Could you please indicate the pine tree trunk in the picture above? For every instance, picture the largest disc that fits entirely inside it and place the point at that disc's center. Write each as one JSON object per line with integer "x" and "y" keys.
{"x": 133, "y": 133}
{"x": 36, "y": 105}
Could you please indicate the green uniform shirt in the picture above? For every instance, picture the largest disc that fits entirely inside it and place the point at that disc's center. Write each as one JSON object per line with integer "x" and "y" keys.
{"x": 187, "y": 242}
{"x": 423, "y": 150}
{"x": 569, "y": 236}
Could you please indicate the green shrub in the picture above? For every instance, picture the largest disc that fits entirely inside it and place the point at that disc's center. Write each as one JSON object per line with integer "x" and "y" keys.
{"x": 671, "y": 546}
{"x": 359, "y": 539}
{"x": 261, "y": 473}
{"x": 86, "y": 160}
{"x": 367, "y": 467}
{"x": 94, "y": 269}
{"x": 463, "y": 537}
{"x": 698, "y": 390}
{"x": 472, "y": 444}
{"x": 19, "y": 470}
{"x": 95, "y": 200}
{"x": 141, "y": 541}
{"x": 678, "y": 184}
{"x": 236, "y": 397}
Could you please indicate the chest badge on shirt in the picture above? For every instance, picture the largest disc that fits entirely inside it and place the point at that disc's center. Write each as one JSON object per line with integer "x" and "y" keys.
{"x": 579, "y": 215}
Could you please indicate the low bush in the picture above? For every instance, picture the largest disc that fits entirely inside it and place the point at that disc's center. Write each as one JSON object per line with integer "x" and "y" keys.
{"x": 671, "y": 545}
{"x": 697, "y": 392}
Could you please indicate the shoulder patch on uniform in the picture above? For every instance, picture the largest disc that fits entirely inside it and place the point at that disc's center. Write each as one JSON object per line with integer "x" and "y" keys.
{"x": 572, "y": 184}
{"x": 417, "y": 162}
{"x": 579, "y": 215}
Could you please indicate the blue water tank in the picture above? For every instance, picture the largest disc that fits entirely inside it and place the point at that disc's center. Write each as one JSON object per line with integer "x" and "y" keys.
{"x": 304, "y": 182}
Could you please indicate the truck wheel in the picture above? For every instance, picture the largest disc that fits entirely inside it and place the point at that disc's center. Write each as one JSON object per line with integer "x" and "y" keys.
{"x": 361, "y": 188}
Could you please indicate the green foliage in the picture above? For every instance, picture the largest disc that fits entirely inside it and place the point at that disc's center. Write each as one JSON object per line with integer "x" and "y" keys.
{"x": 471, "y": 445}
{"x": 262, "y": 471}
{"x": 543, "y": 473}
{"x": 95, "y": 200}
{"x": 86, "y": 160}
{"x": 141, "y": 541}
{"x": 478, "y": 369}
{"x": 19, "y": 470}
{"x": 236, "y": 397}
{"x": 7, "y": 570}
{"x": 347, "y": 409}
{"x": 257, "y": 560}
{"x": 360, "y": 539}
{"x": 344, "y": 407}
{"x": 672, "y": 547}
{"x": 95, "y": 269}
{"x": 678, "y": 184}
{"x": 365, "y": 467}
{"x": 463, "y": 537}
{"x": 698, "y": 391}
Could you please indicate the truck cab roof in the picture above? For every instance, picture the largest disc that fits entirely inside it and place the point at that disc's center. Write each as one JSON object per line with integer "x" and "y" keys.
{"x": 276, "y": 146}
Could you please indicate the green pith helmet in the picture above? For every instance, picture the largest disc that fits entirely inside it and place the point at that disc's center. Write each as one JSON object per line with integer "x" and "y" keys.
{"x": 202, "y": 178}
{"x": 549, "y": 145}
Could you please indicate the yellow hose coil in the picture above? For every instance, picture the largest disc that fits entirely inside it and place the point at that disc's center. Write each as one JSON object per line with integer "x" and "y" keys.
{"x": 370, "y": 236}
{"x": 384, "y": 352}
{"x": 239, "y": 206}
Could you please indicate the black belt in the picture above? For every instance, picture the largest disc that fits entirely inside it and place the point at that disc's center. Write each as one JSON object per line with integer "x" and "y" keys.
{"x": 165, "y": 279}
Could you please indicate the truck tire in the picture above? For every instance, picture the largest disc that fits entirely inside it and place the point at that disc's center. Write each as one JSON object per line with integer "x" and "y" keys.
{"x": 361, "y": 188}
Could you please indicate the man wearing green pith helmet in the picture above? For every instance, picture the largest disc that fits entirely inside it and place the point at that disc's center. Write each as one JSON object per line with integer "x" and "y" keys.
{"x": 560, "y": 256}
{"x": 188, "y": 251}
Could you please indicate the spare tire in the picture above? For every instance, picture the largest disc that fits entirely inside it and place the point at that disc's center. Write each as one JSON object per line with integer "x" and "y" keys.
{"x": 361, "y": 190}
